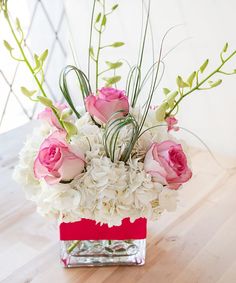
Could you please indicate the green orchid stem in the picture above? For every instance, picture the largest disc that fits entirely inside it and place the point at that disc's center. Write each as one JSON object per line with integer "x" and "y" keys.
{"x": 227, "y": 74}
{"x": 105, "y": 46}
{"x": 218, "y": 70}
{"x": 72, "y": 246}
{"x": 27, "y": 61}
{"x": 99, "y": 47}
{"x": 103, "y": 72}
{"x": 97, "y": 57}
{"x": 23, "y": 54}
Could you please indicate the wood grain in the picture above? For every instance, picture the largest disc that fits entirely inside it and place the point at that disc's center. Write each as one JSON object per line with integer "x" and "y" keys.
{"x": 197, "y": 243}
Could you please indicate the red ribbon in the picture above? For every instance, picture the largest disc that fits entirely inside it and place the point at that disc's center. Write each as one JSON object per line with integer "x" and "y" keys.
{"x": 87, "y": 229}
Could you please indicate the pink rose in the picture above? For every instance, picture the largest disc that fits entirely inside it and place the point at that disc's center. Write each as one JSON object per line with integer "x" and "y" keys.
{"x": 167, "y": 163}
{"x": 56, "y": 161}
{"x": 48, "y": 115}
{"x": 171, "y": 122}
{"x": 106, "y": 103}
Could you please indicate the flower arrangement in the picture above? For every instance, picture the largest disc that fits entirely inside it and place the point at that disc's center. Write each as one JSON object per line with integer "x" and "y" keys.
{"x": 114, "y": 158}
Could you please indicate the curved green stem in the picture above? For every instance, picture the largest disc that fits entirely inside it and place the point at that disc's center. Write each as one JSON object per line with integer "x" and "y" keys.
{"x": 73, "y": 246}
{"x": 90, "y": 37}
{"x": 107, "y": 70}
{"x": 225, "y": 73}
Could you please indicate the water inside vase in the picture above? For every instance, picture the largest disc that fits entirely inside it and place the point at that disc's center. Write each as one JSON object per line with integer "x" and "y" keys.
{"x": 103, "y": 252}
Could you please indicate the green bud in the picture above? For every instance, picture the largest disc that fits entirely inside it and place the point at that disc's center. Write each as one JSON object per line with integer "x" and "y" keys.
{"x": 225, "y": 47}
{"x": 215, "y": 84}
{"x": 45, "y": 101}
{"x": 104, "y": 20}
{"x": 91, "y": 51}
{"x": 70, "y": 128}
{"x": 26, "y": 92}
{"x": 43, "y": 56}
{"x": 18, "y": 25}
{"x": 180, "y": 82}
{"x": 98, "y": 18}
{"x": 37, "y": 62}
{"x": 115, "y": 7}
{"x": 166, "y": 91}
{"x": 117, "y": 44}
{"x": 112, "y": 80}
{"x": 66, "y": 113}
{"x": 6, "y": 14}
{"x": 191, "y": 79}
{"x": 115, "y": 65}
{"x": 161, "y": 112}
{"x": 7, "y": 45}
{"x": 171, "y": 99}
{"x": 204, "y": 65}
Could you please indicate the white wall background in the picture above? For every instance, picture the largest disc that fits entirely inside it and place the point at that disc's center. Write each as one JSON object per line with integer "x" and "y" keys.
{"x": 209, "y": 23}
{"x": 41, "y": 21}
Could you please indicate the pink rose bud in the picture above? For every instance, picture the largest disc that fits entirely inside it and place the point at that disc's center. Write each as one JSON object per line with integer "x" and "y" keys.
{"x": 171, "y": 122}
{"x": 56, "y": 161}
{"x": 167, "y": 163}
{"x": 107, "y": 103}
{"x": 48, "y": 115}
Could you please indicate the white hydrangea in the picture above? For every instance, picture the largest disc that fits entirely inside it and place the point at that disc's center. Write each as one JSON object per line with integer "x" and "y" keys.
{"x": 60, "y": 201}
{"x": 107, "y": 191}
{"x": 24, "y": 172}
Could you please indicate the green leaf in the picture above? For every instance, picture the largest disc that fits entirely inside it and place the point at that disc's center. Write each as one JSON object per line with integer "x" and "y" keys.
{"x": 45, "y": 101}
{"x": 98, "y": 18}
{"x": 115, "y": 7}
{"x": 161, "y": 112}
{"x": 191, "y": 78}
{"x": 215, "y": 84}
{"x": 112, "y": 80}
{"x": 70, "y": 128}
{"x": 7, "y": 45}
{"x": 43, "y": 56}
{"x": 115, "y": 65}
{"x": 166, "y": 90}
{"x": 204, "y": 65}
{"x": 104, "y": 20}
{"x": 26, "y": 92}
{"x": 225, "y": 47}
{"x": 180, "y": 82}
{"x": 117, "y": 44}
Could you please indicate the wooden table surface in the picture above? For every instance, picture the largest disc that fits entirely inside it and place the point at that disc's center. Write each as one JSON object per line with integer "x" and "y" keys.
{"x": 195, "y": 244}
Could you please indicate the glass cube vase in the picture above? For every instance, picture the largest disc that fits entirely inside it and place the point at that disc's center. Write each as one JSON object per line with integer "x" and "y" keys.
{"x": 85, "y": 243}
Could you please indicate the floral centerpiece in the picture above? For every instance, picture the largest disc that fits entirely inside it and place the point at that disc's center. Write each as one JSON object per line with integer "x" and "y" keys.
{"x": 104, "y": 169}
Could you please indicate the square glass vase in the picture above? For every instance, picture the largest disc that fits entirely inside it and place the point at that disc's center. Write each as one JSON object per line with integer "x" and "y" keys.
{"x": 85, "y": 243}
